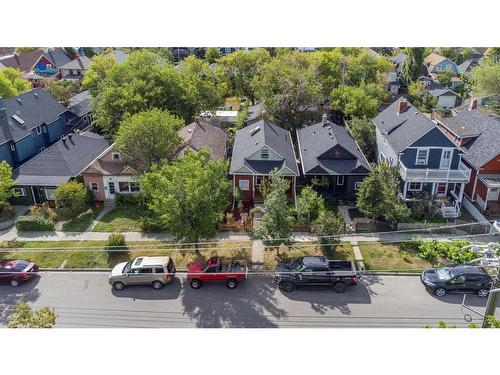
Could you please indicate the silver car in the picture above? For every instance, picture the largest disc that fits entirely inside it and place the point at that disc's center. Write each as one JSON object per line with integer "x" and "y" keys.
{"x": 154, "y": 271}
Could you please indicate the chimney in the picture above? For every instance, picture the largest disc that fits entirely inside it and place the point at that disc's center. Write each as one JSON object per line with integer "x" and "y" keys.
{"x": 70, "y": 135}
{"x": 402, "y": 105}
{"x": 324, "y": 119}
{"x": 63, "y": 139}
{"x": 197, "y": 120}
{"x": 264, "y": 114}
{"x": 473, "y": 104}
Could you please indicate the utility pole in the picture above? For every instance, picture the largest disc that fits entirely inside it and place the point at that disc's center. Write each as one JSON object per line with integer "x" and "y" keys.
{"x": 491, "y": 306}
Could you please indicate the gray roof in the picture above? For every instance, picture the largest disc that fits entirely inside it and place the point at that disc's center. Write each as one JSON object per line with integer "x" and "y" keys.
{"x": 57, "y": 56}
{"x": 200, "y": 134}
{"x": 315, "y": 141}
{"x": 81, "y": 104}
{"x": 34, "y": 107}
{"x": 477, "y": 123}
{"x": 401, "y": 130}
{"x": 466, "y": 66}
{"x": 398, "y": 59}
{"x": 254, "y": 112}
{"x": 435, "y": 89}
{"x": 80, "y": 63}
{"x": 61, "y": 161}
{"x": 251, "y": 139}
{"x": 120, "y": 56}
{"x": 23, "y": 61}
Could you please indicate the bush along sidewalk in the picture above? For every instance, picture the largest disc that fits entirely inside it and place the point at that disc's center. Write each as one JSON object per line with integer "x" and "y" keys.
{"x": 34, "y": 223}
{"x": 430, "y": 250}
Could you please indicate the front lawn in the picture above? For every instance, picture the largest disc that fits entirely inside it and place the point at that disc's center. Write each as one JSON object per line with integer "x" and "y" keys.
{"x": 342, "y": 252}
{"x": 122, "y": 219}
{"x": 81, "y": 222}
{"x": 380, "y": 256}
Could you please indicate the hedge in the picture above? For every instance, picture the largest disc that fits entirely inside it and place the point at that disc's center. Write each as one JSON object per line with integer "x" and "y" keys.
{"x": 34, "y": 223}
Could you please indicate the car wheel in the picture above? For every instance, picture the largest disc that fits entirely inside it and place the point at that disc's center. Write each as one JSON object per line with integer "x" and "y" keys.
{"x": 118, "y": 285}
{"x": 231, "y": 283}
{"x": 157, "y": 285}
{"x": 340, "y": 287}
{"x": 440, "y": 292}
{"x": 196, "y": 284}
{"x": 14, "y": 283}
{"x": 287, "y": 286}
{"x": 483, "y": 292}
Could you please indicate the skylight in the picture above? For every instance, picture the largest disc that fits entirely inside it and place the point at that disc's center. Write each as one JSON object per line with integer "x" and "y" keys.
{"x": 18, "y": 119}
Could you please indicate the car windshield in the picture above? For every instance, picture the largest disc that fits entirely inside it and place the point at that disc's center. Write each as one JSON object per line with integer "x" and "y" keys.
{"x": 295, "y": 265}
{"x": 127, "y": 267}
{"x": 444, "y": 274}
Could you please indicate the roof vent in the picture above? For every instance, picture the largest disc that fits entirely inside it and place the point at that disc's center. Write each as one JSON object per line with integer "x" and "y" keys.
{"x": 324, "y": 119}
{"x": 36, "y": 95}
{"x": 304, "y": 149}
{"x": 63, "y": 139}
{"x": 70, "y": 135}
{"x": 314, "y": 132}
{"x": 416, "y": 113}
{"x": 19, "y": 101}
{"x": 256, "y": 143}
{"x": 189, "y": 131}
{"x": 254, "y": 131}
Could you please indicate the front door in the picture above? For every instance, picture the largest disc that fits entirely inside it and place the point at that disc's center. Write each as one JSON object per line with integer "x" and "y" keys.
{"x": 38, "y": 194}
{"x": 112, "y": 191}
{"x": 441, "y": 189}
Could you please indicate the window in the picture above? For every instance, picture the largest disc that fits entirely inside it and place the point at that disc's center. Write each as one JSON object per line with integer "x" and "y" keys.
{"x": 146, "y": 270}
{"x": 446, "y": 159}
{"x": 340, "y": 180}
{"x": 20, "y": 192}
{"x": 134, "y": 186}
{"x": 473, "y": 278}
{"x": 42, "y": 149}
{"x": 111, "y": 188}
{"x": 49, "y": 193}
{"x": 12, "y": 147}
{"x": 159, "y": 270}
{"x": 115, "y": 156}
{"x": 357, "y": 185}
{"x": 38, "y": 129}
{"x": 264, "y": 153}
{"x": 415, "y": 186}
{"x": 244, "y": 184}
{"x": 259, "y": 180}
{"x": 123, "y": 186}
{"x": 94, "y": 186}
{"x": 422, "y": 156}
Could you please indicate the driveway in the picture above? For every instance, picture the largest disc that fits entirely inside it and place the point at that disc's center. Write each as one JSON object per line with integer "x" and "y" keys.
{"x": 86, "y": 300}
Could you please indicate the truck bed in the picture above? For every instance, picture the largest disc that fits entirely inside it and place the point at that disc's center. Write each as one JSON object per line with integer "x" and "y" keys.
{"x": 342, "y": 267}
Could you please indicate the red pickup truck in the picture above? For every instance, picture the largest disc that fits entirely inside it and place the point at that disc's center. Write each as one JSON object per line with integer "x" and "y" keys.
{"x": 215, "y": 269}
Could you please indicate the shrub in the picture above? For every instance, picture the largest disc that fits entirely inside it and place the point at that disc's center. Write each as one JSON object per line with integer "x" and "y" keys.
{"x": 230, "y": 218}
{"x": 412, "y": 245}
{"x": 116, "y": 240}
{"x": 34, "y": 223}
{"x": 71, "y": 198}
{"x": 125, "y": 200}
{"x": 428, "y": 250}
{"x": 44, "y": 211}
{"x": 309, "y": 205}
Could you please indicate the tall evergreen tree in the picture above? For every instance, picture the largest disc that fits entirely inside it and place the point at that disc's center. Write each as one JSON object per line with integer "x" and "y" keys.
{"x": 412, "y": 64}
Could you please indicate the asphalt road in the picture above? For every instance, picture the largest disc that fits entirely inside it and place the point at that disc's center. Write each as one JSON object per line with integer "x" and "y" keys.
{"x": 86, "y": 300}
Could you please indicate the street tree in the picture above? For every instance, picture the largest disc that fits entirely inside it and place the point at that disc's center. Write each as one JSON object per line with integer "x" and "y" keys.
{"x": 363, "y": 132}
{"x": 486, "y": 79}
{"x": 212, "y": 55}
{"x": 148, "y": 137}
{"x": 358, "y": 101}
{"x": 288, "y": 86}
{"x": 239, "y": 68}
{"x": 189, "y": 196}
{"x": 328, "y": 227}
{"x": 25, "y": 317}
{"x": 309, "y": 205}
{"x": 6, "y": 184}
{"x": 276, "y": 225}
{"x": 412, "y": 66}
{"x": 12, "y": 83}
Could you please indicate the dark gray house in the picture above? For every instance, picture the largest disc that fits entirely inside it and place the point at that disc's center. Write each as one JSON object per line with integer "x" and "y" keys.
{"x": 330, "y": 156}
{"x": 37, "y": 179}
{"x": 80, "y": 111}
{"x": 427, "y": 159}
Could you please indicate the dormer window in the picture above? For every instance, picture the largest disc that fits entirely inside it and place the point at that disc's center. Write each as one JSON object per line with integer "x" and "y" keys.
{"x": 116, "y": 156}
{"x": 264, "y": 153}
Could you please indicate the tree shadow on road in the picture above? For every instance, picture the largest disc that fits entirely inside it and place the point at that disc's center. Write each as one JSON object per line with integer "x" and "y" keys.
{"x": 251, "y": 305}
{"x": 11, "y": 296}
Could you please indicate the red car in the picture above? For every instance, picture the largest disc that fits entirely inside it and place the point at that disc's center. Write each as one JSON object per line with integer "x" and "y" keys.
{"x": 16, "y": 271}
{"x": 232, "y": 272}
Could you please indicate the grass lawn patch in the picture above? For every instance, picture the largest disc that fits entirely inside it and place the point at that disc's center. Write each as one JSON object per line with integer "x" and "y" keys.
{"x": 379, "y": 256}
{"x": 343, "y": 251}
{"x": 82, "y": 221}
{"x": 122, "y": 219}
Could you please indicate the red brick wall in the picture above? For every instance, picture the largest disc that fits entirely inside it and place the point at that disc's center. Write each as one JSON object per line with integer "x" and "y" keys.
{"x": 247, "y": 194}
{"x": 88, "y": 178}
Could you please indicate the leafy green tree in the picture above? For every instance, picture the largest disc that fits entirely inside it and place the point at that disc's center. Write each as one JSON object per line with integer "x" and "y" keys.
{"x": 148, "y": 137}
{"x": 88, "y": 51}
{"x": 276, "y": 224}
{"x": 492, "y": 56}
{"x": 25, "y": 317}
{"x": 444, "y": 77}
{"x": 309, "y": 205}
{"x": 71, "y": 198}
{"x": 6, "y": 184}
{"x": 486, "y": 79}
{"x": 70, "y": 51}
{"x": 212, "y": 55}
{"x": 423, "y": 100}
{"x": 239, "y": 123}
{"x": 97, "y": 72}
{"x": 188, "y": 196}
{"x": 164, "y": 53}
{"x": 358, "y": 101}
{"x": 328, "y": 226}
{"x": 362, "y": 67}
{"x": 239, "y": 68}
{"x": 451, "y": 53}
{"x": 330, "y": 68}
{"x": 412, "y": 66}
{"x": 19, "y": 50}
{"x": 363, "y": 132}
{"x": 378, "y": 195}
{"x": 12, "y": 83}
{"x": 288, "y": 86}
{"x": 62, "y": 90}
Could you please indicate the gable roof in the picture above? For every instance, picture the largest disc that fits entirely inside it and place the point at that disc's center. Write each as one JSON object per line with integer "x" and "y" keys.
{"x": 201, "y": 134}
{"x": 57, "y": 56}
{"x": 435, "y": 89}
{"x": 63, "y": 160}
{"x": 106, "y": 167}
{"x": 80, "y": 63}
{"x": 252, "y": 138}
{"x": 34, "y": 107}
{"x": 483, "y": 126}
{"x": 403, "y": 129}
{"x": 433, "y": 59}
{"x": 315, "y": 140}
{"x": 81, "y": 104}
{"x": 467, "y": 66}
{"x": 23, "y": 61}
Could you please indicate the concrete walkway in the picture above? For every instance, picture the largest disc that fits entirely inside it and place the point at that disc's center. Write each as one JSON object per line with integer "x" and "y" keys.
{"x": 258, "y": 251}
{"x": 358, "y": 257}
{"x": 98, "y": 218}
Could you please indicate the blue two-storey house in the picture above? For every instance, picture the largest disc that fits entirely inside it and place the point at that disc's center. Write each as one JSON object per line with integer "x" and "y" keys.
{"x": 428, "y": 161}
{"x": 29, "y": 123}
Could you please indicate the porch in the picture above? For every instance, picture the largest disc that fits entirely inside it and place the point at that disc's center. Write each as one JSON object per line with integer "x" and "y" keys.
{"x": 488, "y": 195}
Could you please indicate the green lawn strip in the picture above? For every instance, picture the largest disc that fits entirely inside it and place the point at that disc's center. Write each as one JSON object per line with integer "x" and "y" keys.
{"x": 121, "y": 219}
{"x": 81, "y": 222}
{"x": 342, "y": 252}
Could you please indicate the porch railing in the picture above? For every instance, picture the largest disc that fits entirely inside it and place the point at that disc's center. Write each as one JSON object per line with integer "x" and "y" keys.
{"x": 450, "y": 211}
{"x": 461, "y": 174}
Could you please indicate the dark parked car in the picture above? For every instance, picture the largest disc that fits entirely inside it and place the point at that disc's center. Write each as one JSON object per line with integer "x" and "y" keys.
{"x": 16, "y": 271}
{"x": 457, "y": 279}
{"x": 316, "y": 271}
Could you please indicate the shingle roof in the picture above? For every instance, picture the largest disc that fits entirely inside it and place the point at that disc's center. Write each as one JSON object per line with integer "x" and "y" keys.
{"x": 466, "y": 66}
{"x": 81, "y": 104}
{"x": 80, "y": 63}
{"x": 401, "y": 130}
{"x": 57, "y": 56}
{"x": 398, "y": 59}
{"x": 198, "y": 135}
{"x": 34, "y": 107}
{"x": 252, "y": 138}
{"x": 61, "y": 161}
{"x": 316, "y": 140}
{"x": 435, "y": 89}
{"x": 23, "y": 61}
{"x": 486, "y": 126}
{"x": 433, "y": 59}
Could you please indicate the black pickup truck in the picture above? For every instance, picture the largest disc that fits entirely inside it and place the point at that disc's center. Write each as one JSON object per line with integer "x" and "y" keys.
{"x": 316, "y": 271}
